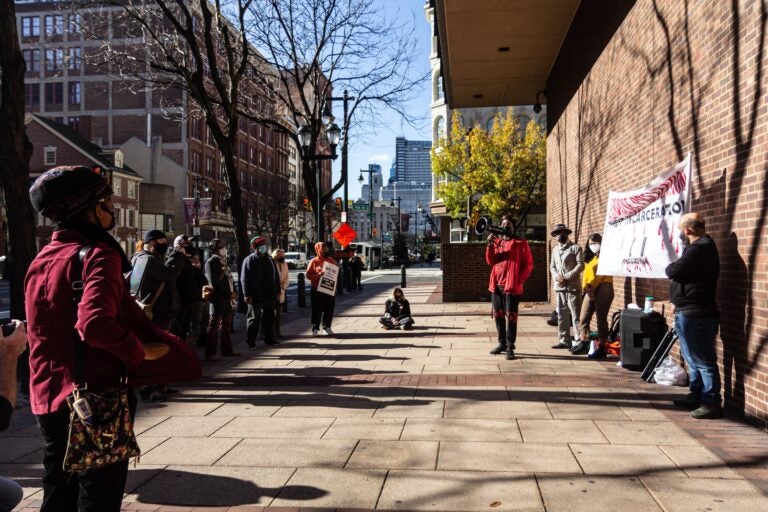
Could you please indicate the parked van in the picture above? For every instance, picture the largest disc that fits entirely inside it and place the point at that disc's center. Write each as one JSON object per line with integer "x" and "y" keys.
{"x": 296, "y": 260}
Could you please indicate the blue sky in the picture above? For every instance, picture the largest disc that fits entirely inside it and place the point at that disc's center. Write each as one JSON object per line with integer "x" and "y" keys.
{"x": 379, "y": 147}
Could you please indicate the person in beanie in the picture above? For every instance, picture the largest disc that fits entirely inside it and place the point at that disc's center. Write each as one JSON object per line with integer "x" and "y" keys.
{"x": 117, "y": 337}
{"x": 511, "y": 263}
{"x": 565, "y": 266}
{"x": 260, "y": 282}
{"x": 322, "y": 303}
{"x": 221, "y": 309}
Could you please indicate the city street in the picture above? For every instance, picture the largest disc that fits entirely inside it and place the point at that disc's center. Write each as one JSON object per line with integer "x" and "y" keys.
{"x": 422, "y": 420}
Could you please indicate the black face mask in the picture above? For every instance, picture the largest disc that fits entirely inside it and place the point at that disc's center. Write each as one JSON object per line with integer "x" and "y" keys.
{"x": 112, "y": 216}
{"x": 683, "y": 239}
{"x": 562, "y": 238}
{"x": 161, "y": 249}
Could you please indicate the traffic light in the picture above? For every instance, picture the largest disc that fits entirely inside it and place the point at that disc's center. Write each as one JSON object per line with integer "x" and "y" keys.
{"x": 338, "y": 204}
{"x": 307, "y": 205}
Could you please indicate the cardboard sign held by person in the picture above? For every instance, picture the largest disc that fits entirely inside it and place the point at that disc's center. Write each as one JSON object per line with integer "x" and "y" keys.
{"x": 328, "y": 281}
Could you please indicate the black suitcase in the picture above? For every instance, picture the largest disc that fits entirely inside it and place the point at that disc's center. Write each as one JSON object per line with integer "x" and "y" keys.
{"x": 641, "y": 334}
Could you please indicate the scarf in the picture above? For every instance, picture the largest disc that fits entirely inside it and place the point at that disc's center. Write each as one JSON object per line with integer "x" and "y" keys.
{"x": 94, "y": 233}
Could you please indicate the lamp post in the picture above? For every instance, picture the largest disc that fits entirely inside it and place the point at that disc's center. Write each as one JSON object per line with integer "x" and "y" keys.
{"x": 306, "y": 138}
{"x": 419, "y": 210}
{"x": 327, "y": 118}
{"x": 370, "y": 197}
{"x": 196, "y": 228}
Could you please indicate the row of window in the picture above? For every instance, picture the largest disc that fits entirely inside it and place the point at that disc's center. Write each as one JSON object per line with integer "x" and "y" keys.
{"x": 55, "y": 24}
{"x": 55, "y": 59}
{"x": 54, "y": 93}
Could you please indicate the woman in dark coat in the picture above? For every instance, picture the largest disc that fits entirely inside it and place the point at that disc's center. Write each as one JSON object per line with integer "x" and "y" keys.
{"x": 222, "y": 310}
{"x": 397, "y": 312}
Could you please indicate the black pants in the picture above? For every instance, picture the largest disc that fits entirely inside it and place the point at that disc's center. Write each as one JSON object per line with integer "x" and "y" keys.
{"x": 505, "y": 315}
{"x": 357, "y": 282}
{"x": 260, "y": 313}
{"x": 97, "y": 490}
{"x": 322, "y": 306}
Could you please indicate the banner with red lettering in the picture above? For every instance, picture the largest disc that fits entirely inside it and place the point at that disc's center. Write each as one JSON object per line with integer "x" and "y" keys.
{"x": 203, "y": 208}
{"x": 640, "y": 237}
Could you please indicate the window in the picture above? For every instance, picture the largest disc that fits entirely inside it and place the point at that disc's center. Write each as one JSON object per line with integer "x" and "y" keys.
{"x": 131, "y": 190}
{"x": 54, "y": 93}
{"x": 195, "y": 162}
{"x": 30, "y": 26}
{"x": 117, "y": 186}
{"x": 74, "y": 123}
{"x": 74, "y": 24}
{"x": 75, "y": 58}
{"x": 131, "y": 213}
{"x": 194, "y": 128}
{"x": 54, "y": 58}
{"x": 75, "y": 90}
{"x": 32, "y": 58}
{"x": 49, "y": 155}
{"x": 54, "y": 25}
{"x": 209, "y": 166}
{"x": 32, "y": 94}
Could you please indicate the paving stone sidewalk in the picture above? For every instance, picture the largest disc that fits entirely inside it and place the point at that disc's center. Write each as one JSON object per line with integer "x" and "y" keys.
{"x": 423, "y": 420}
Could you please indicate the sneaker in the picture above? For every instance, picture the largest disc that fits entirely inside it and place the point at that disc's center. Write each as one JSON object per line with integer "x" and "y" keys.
{"x": 498, "y": 349}
{"x": 580, "y": 348}
{"x": 328, "y": 331}
{"x": 314, "y": 332}
{"x": 561, "y": 345}
{"x": 690, "y": 402}
{"x": 597, "y": 354}
{"x": 707, "y": 412}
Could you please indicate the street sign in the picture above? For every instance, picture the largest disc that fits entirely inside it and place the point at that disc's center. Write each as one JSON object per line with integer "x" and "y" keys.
{"x": 196, "y": 230}
{"x": 345, "y": 234}
{"x": 360, "y": 206}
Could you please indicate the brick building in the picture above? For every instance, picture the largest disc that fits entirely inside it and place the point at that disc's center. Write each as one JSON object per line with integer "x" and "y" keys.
{"x": 632, "y": 87}
{"x": 57, "y": 144}
{"x": 63, "y": 83}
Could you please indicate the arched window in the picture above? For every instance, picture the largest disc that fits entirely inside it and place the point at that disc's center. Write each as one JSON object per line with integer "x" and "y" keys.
{"x": 439, "y": 129}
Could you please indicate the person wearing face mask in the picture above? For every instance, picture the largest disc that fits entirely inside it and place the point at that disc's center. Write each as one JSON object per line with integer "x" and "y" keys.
{"x": 597, "y": 300}
{"x": 260, "y": 282}
{"x": 397, "y": 312}
{"x": 115, "y": 337}
{"x": 221, "y": 308}
{"x": 565, "y": 266}
{"x": 282, "y": 267}
{"x": 693, "y": 293}
{"x": 322, "y": 304}
{"x": 511, "y": 264}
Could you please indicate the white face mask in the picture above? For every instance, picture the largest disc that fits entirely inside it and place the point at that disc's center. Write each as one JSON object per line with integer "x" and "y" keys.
{"x": 595, "y": 248}
{"x": 223, "y": 252}
{"x": 262, "y": 249}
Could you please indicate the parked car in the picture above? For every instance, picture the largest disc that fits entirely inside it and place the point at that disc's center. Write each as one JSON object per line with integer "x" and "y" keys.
{"x": 296, "y": 260}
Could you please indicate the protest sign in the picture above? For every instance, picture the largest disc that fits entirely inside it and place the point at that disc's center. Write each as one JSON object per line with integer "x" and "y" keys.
{"x": 328, "y": 280}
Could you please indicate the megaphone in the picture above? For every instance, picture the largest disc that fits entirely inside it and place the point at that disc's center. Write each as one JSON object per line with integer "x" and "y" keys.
{"x": 483, "y": 225}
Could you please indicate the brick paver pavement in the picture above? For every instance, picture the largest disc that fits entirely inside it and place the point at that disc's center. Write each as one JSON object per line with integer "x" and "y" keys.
{"x": 423, "y": 420}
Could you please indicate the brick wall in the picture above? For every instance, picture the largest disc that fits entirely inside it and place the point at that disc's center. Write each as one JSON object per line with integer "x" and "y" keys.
{"x": 666, "y": 79}
{"x": 465, "y": 273}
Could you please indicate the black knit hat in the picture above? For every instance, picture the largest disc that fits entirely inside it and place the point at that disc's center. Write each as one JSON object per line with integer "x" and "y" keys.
{"x": 64, "y": 191}
{"x": 152, "y": 234}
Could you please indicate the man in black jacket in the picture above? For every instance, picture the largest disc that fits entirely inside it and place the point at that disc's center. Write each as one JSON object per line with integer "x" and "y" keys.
{"x": 260, "y": 282}
{"x": 190, "y": 287}
{"x": 692, "y": 292}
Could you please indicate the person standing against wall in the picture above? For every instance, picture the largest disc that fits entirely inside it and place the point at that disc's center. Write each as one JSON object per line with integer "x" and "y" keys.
{"x": 565, "y": 266}
{"x": 597, "y": 300}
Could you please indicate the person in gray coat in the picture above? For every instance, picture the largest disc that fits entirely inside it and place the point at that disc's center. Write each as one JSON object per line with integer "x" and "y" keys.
{"x": 566, "y": 265}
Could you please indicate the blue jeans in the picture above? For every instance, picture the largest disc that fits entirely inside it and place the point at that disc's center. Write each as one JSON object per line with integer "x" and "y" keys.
{"x": 697, "y": 344}
{"x": 10, "y": 494}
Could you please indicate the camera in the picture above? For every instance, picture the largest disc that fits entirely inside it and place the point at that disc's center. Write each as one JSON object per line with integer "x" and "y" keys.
{"x": 9, "y": 327}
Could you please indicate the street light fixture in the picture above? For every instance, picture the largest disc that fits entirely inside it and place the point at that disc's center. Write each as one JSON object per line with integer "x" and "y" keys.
{"x": 305, "y": 135}
{"x": 196, "y": 228}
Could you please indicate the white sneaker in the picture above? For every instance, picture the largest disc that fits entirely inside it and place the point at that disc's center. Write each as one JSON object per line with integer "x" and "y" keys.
{"x": 314, "y": 332}
{"x": 328, "y": 331}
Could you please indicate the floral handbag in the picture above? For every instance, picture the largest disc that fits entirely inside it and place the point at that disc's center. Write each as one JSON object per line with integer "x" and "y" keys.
{"x": 100, "y": 429}
{"x": 100, "y": 425}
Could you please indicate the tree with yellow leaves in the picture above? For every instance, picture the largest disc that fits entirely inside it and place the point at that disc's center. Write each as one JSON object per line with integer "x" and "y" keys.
{"x": 491, "y": 172}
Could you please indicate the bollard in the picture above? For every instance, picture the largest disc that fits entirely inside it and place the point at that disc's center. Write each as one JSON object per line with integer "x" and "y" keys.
{"x": 340, "y": 282}
{"x": 302, "y": 291}
{"x": 402, "y": 276}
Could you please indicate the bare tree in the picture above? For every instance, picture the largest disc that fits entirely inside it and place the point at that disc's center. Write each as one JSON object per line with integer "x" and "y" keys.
{"x": 15, "y": 152}
{"x": 322, "y": 47}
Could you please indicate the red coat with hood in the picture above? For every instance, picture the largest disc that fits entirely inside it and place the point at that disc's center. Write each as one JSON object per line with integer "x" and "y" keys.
{"x": 108, "y": 320}
{"x": 315, "y": 265}
{"x": 511, "y": 264}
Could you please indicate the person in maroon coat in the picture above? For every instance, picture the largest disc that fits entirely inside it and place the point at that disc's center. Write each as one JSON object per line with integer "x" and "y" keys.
{"x": 119, "y": 339}
{"x": 511, "y": 264}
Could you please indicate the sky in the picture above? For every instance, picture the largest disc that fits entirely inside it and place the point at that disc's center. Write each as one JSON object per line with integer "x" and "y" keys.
{"x": 379, "y": 147}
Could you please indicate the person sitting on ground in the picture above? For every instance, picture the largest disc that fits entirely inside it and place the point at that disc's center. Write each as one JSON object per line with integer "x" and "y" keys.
{"x": 597, "y": 300}
{"x": 397, "y": 312}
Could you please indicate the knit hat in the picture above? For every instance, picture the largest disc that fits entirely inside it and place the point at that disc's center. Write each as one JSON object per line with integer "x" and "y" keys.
{"x": 560, "y": 228}
{"x": 257, "y": 241}
{"x": 183, "y": 240}
{"x": 152, "y": 234}
{"x": 64, "y": 191}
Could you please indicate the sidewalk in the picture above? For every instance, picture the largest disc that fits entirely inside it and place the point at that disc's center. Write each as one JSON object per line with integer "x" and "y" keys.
{"x": 424, "y": 420}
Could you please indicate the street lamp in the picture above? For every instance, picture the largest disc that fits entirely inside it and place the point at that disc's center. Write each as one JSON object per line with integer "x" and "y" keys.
{"x": 419, "y": 211}
{"x": 328, "y": 118}
{"x": 370, "y": 207}
{"x": 196, "y": 228}
{"x": 306, "y": 136}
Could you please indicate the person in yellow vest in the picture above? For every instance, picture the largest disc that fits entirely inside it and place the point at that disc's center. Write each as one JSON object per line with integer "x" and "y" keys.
{"x": 598, "y": 297}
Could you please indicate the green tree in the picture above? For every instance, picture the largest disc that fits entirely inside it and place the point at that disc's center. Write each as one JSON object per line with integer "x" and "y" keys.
{"x": 493, "y": 172}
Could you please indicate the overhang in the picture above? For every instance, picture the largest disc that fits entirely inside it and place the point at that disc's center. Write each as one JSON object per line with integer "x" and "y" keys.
{"x": 499, "y": 52}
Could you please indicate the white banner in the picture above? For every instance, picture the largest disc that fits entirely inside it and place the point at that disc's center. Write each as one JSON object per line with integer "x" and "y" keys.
{"x": 640, "y": 237}
{"x": 327, "y": 283}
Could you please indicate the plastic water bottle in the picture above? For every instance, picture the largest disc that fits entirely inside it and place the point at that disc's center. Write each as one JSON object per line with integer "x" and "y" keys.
{"x": 648, "y": 305}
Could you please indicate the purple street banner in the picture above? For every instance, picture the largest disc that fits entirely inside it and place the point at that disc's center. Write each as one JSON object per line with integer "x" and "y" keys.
{"x": 640, "y": 237}
{"x": 189, "y": 209}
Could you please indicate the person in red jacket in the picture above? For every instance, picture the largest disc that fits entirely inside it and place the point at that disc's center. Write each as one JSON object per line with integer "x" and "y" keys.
{"x": 511, "y": 264}
{"x": 322, "y": 303}
{"x": 118, "y": 339}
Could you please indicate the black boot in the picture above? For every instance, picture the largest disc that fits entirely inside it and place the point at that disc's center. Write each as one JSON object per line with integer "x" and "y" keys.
{"x": 498, "y": 349}
{"x": 510, "y": 354}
